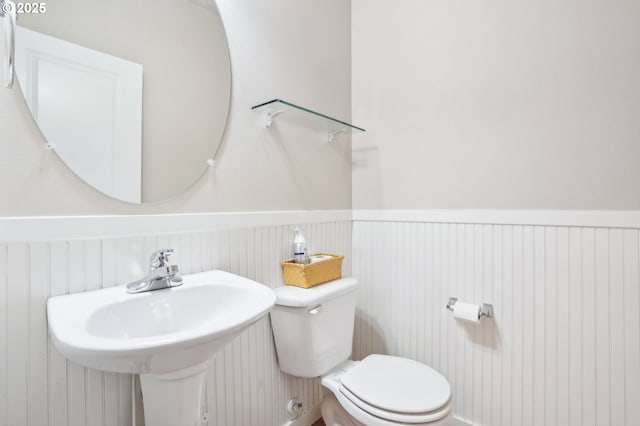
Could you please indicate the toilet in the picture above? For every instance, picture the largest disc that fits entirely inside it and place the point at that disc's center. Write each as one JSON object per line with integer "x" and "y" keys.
{"x": 313, "y": 333}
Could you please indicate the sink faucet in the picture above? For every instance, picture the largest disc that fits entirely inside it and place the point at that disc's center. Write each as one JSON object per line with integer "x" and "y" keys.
{"x": 161, "y": 274}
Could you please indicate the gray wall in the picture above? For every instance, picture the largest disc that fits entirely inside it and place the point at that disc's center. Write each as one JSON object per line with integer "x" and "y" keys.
{"x": 299, "y": 51}
{"x": 496, "y": 104}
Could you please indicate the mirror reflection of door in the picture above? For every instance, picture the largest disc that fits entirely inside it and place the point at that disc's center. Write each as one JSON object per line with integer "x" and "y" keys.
{"x": 104, "y": 95}
{"x": 134, "y": 95}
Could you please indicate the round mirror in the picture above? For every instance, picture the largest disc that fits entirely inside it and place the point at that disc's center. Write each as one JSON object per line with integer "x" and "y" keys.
{"x": 132, "y": 95}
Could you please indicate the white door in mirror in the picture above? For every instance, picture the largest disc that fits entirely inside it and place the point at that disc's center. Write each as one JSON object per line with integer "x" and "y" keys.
{"x": 104, "y": 95}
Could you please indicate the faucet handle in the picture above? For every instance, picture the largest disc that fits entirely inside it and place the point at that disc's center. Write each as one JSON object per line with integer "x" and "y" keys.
{"x": 160, "y": 258}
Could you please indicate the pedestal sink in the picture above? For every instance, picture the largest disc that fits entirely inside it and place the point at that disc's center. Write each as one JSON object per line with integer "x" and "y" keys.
{"x": 166, "y": 336}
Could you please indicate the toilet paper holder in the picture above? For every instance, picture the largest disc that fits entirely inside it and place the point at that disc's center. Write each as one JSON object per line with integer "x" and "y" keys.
{"x": 486, "y": 309}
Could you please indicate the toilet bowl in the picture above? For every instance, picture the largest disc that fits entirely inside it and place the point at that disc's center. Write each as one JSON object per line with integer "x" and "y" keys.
{"x": 313, "y": 333}
{"x": 384, "y": 390}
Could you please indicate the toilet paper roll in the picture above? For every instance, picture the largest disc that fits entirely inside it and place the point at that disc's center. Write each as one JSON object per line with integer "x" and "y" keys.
{"x": 466, "y": 311}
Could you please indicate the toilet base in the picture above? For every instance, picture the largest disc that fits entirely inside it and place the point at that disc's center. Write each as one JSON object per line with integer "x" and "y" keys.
{"x": 333, "y": 414}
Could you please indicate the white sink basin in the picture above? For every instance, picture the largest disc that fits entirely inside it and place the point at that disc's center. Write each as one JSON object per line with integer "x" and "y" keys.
{"x": 156, "y": 332}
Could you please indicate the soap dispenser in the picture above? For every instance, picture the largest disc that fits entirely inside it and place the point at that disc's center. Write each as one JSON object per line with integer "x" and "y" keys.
{"x": 299, "y": 247}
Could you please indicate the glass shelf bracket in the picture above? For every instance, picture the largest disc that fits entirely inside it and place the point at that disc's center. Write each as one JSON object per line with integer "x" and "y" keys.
{"x": 305, "y": 116}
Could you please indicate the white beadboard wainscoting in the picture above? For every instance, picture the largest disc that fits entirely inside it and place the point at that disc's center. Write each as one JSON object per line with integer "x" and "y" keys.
{"x": 245, "y": 386}
{"x": 564, "y": 345}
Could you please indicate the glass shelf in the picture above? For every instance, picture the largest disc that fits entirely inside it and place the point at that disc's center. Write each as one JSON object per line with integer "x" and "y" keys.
{"x": 306, "y": 117}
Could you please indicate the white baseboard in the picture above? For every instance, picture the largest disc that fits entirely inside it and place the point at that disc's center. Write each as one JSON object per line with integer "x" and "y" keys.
{"x": 457, "y": 421}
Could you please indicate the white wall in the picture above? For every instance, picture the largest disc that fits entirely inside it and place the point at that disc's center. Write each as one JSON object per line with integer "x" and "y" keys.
{"x": 502, "y": 106}
{"x": 496, "y": 104}
{"x": 563, "y": 347}
{"x": 38, "y": 386}
{"x": 299, "y": 51}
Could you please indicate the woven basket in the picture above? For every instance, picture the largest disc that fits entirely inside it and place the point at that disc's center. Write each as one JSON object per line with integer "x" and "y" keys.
{"x": 311, "y": 274}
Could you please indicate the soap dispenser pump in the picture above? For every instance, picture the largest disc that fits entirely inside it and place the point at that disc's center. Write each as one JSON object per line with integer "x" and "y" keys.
{"x": 299, "y": 247}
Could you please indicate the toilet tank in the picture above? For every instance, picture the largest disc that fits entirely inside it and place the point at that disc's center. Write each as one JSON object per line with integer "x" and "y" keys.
{"x": 313, "y": 328}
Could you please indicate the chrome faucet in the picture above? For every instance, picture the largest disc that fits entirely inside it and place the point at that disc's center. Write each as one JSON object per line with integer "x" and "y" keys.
{"x": 161, "y": 274}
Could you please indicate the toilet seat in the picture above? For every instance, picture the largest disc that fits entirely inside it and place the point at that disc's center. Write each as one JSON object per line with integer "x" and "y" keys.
{"x": 393, "y": 416}
{"x": 383, "y": 390}
{"x": 397, "y": 384}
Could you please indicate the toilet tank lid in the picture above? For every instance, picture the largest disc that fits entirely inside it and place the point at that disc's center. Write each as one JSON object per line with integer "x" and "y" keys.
{"x": 298, "y": 297}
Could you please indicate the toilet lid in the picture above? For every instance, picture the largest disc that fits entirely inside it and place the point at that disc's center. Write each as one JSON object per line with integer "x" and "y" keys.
{"x": 397, "y": 384}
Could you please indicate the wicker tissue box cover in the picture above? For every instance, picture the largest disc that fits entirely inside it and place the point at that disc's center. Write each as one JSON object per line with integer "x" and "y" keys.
{"x": 311, "y": 274}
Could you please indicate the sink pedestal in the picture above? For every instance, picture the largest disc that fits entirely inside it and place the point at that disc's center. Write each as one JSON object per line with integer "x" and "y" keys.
{"x": 174, "y": 398}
